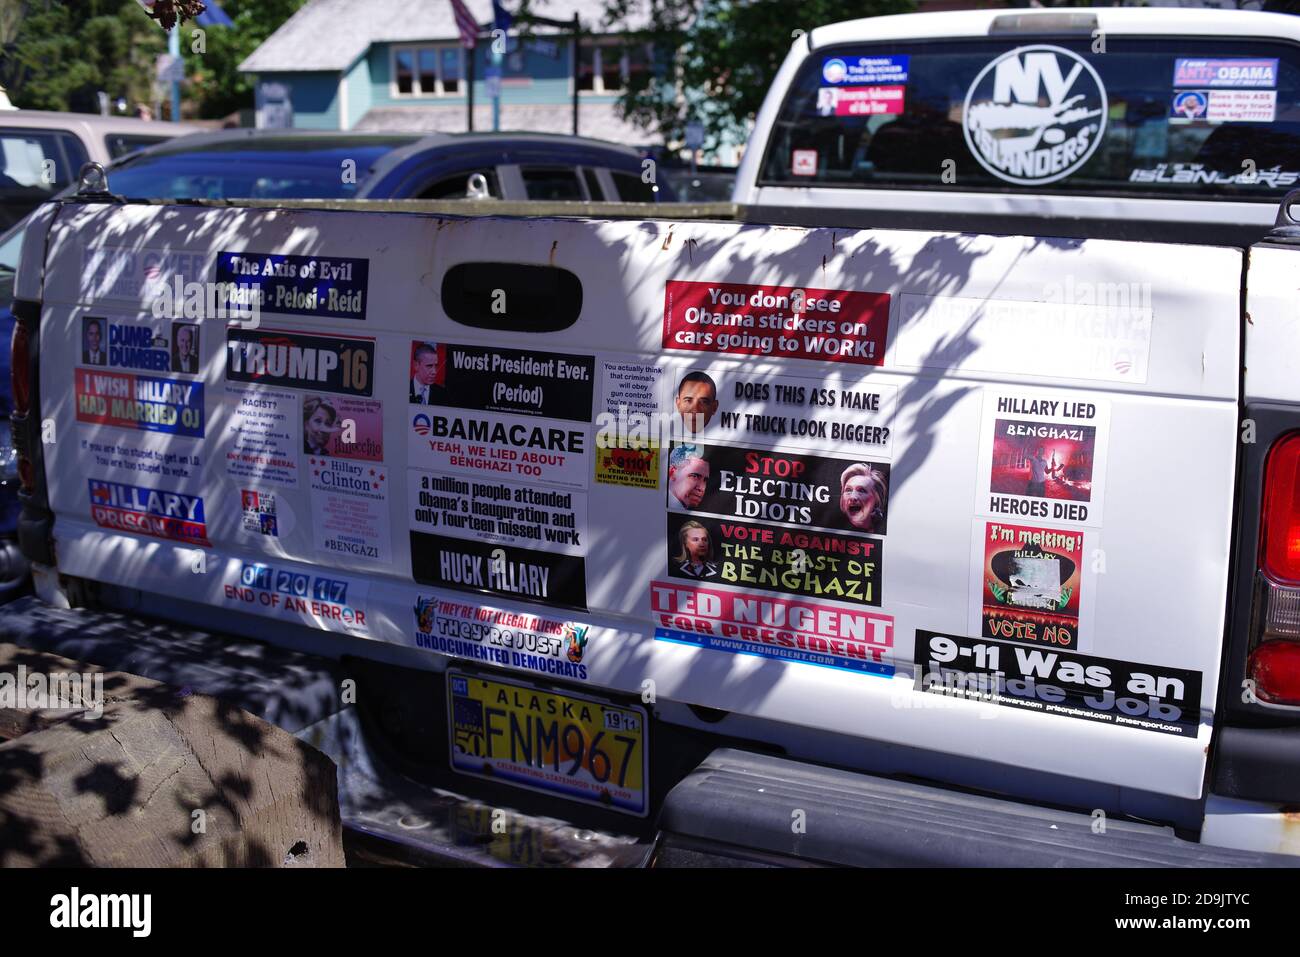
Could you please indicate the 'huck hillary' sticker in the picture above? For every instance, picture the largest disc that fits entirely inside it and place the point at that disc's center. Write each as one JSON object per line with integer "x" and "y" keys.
{"x": 1035, "y": 114}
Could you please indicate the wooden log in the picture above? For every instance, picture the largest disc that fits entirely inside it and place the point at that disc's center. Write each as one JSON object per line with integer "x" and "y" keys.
{"x": 139, "y": 774}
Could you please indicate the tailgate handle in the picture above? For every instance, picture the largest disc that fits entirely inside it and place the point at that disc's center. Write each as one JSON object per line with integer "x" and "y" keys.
{"x": 512, "y": 297}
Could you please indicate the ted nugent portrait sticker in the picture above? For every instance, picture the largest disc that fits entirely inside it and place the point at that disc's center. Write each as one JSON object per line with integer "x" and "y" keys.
{"x": 1035, "y": 114}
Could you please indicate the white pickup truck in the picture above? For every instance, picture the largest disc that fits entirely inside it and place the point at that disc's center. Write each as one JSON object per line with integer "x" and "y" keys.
{"x": 1123, "y": 123}
{"x": 672, "y": 541}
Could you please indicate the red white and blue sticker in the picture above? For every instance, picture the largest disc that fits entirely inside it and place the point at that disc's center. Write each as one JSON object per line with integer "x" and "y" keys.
{"x": 1239, "y": 72}
{"x": 148, "y": 511}
{"x": 866, "y": 69}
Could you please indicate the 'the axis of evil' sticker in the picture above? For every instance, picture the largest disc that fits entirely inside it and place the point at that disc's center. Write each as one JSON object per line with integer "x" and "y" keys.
{"x": 830, "y": 325}
{"x": 1031, "y": 584}
{"x": 1043, "y": 457}
{"x": 1148, "y": 697}
{"x": 332, "y": 286}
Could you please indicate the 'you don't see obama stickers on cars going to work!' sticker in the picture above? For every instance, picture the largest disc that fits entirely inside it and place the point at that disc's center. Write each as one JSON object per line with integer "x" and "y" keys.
{"x": 792, "y": 322}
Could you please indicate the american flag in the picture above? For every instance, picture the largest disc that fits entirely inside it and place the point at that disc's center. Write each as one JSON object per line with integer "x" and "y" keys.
{"x": 465, "y": 23}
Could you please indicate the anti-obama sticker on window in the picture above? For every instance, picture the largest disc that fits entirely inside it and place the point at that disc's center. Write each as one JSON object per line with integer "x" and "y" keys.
{"x": 1035, "y": 114}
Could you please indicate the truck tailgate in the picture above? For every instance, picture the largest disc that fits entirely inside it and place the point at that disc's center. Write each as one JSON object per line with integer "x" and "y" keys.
{"x": 967, "y": 494}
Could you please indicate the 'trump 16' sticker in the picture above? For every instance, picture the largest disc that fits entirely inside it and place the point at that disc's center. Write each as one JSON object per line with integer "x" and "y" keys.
{"x": 1035, "y": 114}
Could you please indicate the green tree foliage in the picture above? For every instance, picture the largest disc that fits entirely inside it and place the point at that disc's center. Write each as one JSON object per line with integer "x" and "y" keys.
{"x": 215, "y": 82}
{"x": 717, "y": 58}
{"x": 58, "y": 55}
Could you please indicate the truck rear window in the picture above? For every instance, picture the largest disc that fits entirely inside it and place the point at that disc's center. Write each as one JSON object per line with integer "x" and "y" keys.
{"x": 1179, "y": 117}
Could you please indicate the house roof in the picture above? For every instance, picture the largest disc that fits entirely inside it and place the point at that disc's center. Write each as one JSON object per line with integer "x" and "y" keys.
{"x": 329, "y": 35}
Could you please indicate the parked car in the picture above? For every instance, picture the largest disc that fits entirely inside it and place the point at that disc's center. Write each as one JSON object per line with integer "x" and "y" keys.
{"x": 43, "y": 152}
{"x": 253, "y": 164}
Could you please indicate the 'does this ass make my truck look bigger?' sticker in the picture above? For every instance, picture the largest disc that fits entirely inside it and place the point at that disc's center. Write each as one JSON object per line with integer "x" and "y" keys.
{"x": 792, "y": 322}
{"x": 1035, "y": 114}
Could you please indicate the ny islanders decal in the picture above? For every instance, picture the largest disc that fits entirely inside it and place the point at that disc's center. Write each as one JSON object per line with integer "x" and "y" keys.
{"x": 1035, "y": 114}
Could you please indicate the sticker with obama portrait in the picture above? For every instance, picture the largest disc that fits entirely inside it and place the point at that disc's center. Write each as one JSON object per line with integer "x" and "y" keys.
{"x": 813, "y": 491}
{"x": 840, "y": 413}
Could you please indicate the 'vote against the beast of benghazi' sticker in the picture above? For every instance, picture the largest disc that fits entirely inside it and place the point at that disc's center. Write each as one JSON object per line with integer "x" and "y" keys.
{"x": 1035, "y": 114}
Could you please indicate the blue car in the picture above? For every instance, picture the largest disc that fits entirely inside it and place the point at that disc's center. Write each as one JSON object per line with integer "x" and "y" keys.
{"x": 302, "y": 164}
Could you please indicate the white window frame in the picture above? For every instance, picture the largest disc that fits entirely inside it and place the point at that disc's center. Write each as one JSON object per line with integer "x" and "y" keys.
{"x": 417, "y": 89}
{"x": 598, "y": 47}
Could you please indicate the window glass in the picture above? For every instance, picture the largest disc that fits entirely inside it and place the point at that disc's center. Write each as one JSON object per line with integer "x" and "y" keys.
{"x": 586, "y": 67}
{"x": 450, "y": 70}
{"x": 546, "y": 183}
{"x": 638, "y": 59}
{"x": 611, "y": 68}
{"x": 119, "y": 144}
{"x": 405, "y": 71}
{"x": 40, "y": 162}
{"x": 593, "y": 184}
{"x": 428, "y": 71}
{"x": 457, "y": 186}
{"x": 1177, "y": 117}
{"x": 631, "y": 189}
{"x": 301, "y": 169}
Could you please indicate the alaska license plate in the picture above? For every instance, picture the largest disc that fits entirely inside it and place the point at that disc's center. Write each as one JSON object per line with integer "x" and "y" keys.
{"x": 578, "y": 747}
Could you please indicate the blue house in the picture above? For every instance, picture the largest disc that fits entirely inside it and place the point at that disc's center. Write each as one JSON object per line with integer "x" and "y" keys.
{"x": 398, "y": 65}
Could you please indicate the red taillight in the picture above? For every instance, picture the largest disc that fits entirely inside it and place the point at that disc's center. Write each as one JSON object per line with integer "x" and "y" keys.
{"x": 19, "y": 371}
{"x": 20, "y": 379}
{"x": 1275, "y": 668}
{"x": 1280, "y": 522}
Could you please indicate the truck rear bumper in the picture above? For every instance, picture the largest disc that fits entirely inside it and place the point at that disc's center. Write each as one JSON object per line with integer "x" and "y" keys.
{"x": 735, "y": 807}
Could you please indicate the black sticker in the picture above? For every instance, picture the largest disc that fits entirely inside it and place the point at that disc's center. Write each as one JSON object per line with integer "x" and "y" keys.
{"x": 792, "y": 561}
{"x": 331, "y": 286}
{"x": 850, "y": 495}
{"x": 516, "y": 381}
{"x": 1050, "y": 681}
{"x": 320, "y": 363}
{"x": 523, "y": 574}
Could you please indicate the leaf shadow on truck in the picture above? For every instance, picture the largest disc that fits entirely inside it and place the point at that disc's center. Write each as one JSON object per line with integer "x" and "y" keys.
{"x": 950, "y": 260}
